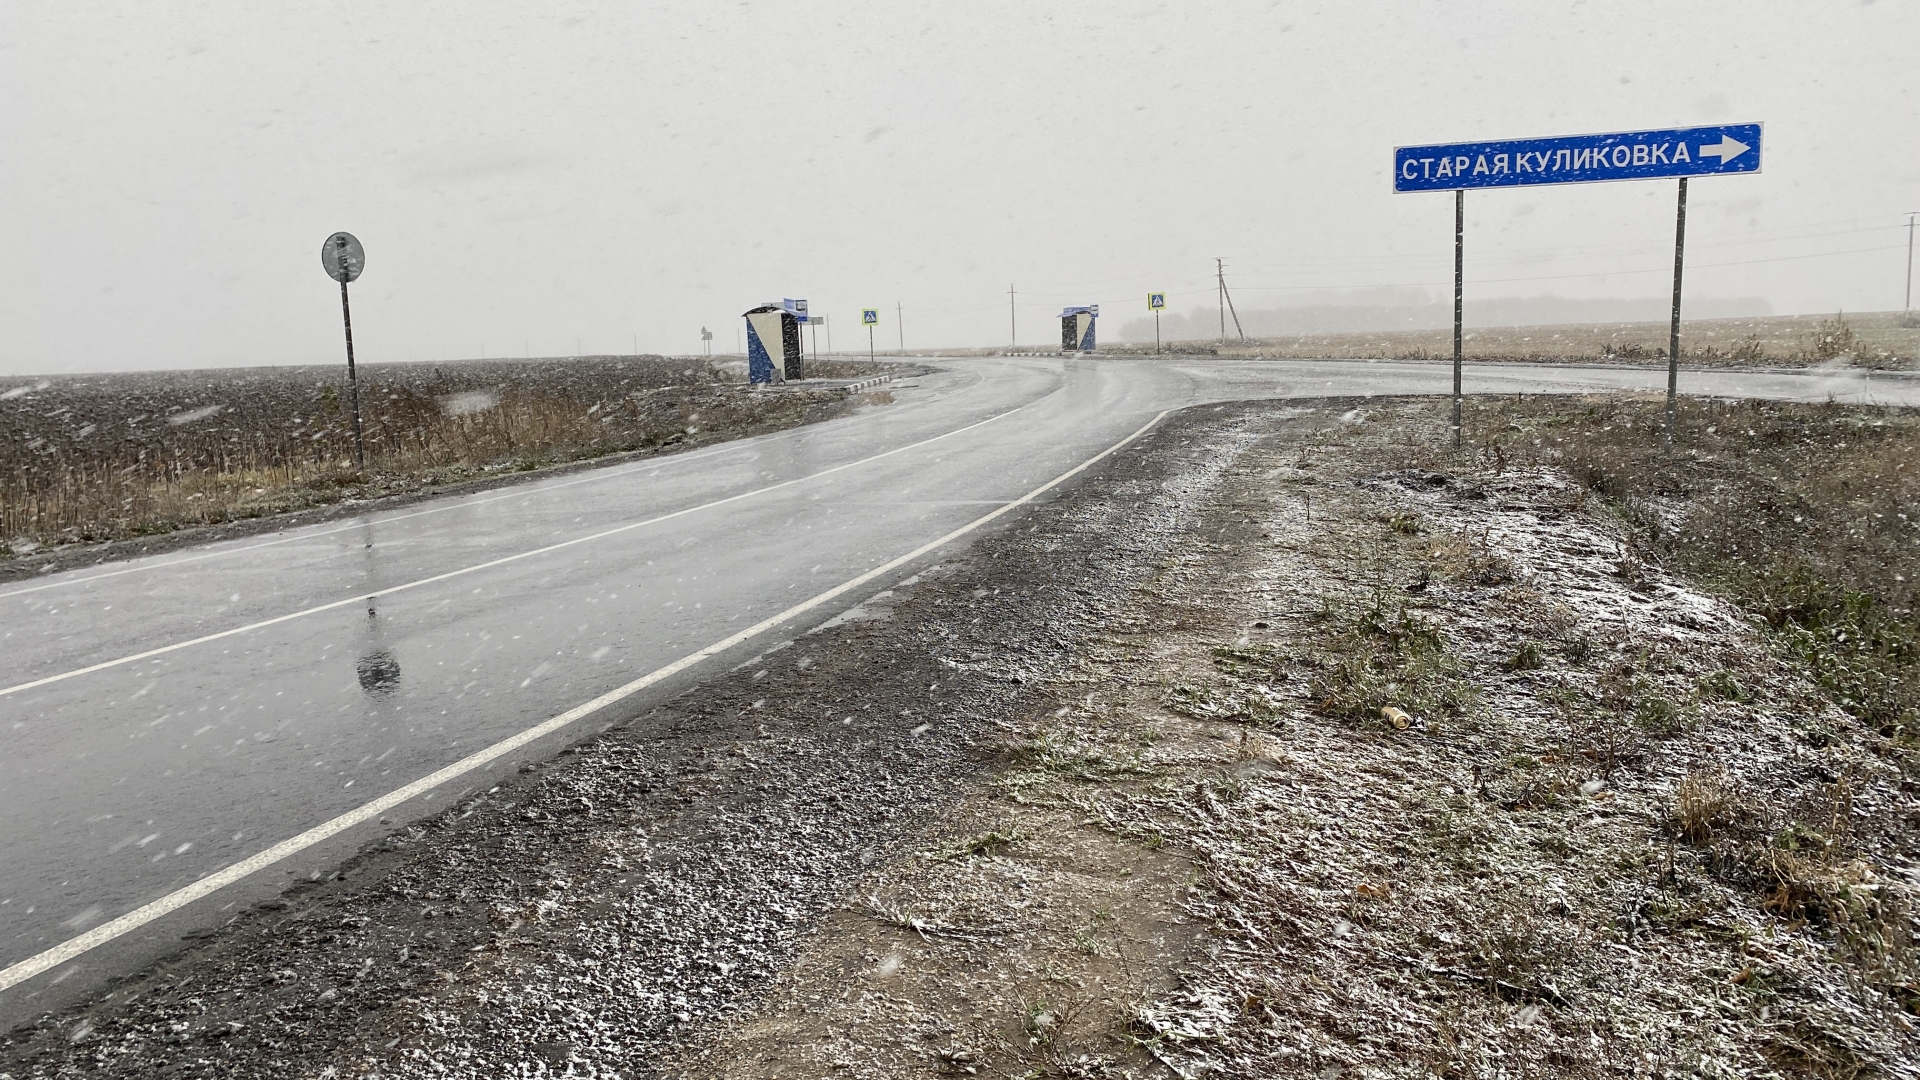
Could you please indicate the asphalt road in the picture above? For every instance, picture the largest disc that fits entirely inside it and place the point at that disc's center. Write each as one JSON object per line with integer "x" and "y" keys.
{"x": 168, "y": 717}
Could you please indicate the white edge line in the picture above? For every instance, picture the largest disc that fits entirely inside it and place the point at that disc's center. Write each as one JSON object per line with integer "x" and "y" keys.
{"x": 74, "y": 947}
{"x": 356, "y": 598}
{"x": 596, "y": 473}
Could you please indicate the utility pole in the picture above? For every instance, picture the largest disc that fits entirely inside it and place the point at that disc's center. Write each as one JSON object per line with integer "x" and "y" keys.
{"x": 1013, "y": 324}
{"x": 1910, "y": 216}
{"x": 1220, "y": 296}
{"x": 899, "y": 321}
{"x": 1226, "y": 303}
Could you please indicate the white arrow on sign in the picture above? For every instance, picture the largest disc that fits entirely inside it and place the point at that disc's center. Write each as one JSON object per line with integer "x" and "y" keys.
{"x": 1728, "y": 149}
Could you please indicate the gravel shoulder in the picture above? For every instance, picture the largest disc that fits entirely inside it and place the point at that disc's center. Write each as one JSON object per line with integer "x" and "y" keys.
{"x": 604, "y": 908}
{"x": 1112, "y": 794}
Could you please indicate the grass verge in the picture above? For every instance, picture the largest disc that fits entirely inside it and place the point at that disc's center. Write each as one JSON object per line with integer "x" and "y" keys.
{"x": 85, "y": 460}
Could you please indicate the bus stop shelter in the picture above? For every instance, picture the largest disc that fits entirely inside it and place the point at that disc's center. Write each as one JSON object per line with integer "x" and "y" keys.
{"x": 1076, "y": 328}
{"x": 773, "y": 343}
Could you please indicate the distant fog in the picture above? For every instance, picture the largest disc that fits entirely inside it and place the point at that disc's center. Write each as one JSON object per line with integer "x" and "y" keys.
{"x": 1415, "y": 309}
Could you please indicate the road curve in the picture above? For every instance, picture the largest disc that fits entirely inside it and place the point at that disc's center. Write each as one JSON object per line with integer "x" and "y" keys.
{"x": 169, "y": 717}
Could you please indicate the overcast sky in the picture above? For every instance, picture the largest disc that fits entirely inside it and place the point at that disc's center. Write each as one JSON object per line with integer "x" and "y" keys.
{"x": 558, "y": 177}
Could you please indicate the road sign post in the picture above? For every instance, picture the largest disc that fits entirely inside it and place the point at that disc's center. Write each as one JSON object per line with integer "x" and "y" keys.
{"x": 1459, "y": 291}
{"x": 343, "y": 258}
{"x": 1673, "y": 331}
{"x": 870, "y": 318}
{"x": 1578, "y": 159}
{"x": 1155, "y": 302}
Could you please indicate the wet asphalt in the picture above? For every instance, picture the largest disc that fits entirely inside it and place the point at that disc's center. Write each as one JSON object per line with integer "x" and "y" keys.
{"x": 357, "y": 656}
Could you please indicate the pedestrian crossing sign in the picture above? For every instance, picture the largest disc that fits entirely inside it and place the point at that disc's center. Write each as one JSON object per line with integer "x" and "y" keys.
{"x": 1156, "y": 300}
{"x": 869, "y": 316}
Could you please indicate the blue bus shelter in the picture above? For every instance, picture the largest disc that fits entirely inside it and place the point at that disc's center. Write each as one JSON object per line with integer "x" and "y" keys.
{"x": 773, "y": 343}
{"x": 1076, "y": 327}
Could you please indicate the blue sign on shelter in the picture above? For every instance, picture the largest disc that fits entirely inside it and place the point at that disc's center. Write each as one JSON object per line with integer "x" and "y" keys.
{"x": 1579, "y": 159}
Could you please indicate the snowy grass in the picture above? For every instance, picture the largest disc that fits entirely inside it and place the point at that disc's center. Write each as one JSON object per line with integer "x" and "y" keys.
{"x": 1806, "y": 516}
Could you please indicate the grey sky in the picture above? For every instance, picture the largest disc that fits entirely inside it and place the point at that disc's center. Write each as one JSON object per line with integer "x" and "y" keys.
{"x": 525, "y": 176}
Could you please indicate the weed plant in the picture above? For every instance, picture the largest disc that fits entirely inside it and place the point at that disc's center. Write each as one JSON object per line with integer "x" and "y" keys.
{"x": 1382, "y": 651}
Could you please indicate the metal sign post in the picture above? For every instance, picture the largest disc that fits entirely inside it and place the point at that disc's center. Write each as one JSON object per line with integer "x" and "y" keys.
{"x": 1156, "y": 301}
{"x": 343, "y": 258}
{"x": 1577, "y": 159}
{"x": 1673, "y": 332}
{"x": 1459, "y": 291}
{"x": 870, "y": 317}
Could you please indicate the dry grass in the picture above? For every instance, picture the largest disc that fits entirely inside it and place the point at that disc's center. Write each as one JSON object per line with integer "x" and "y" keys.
{"x": 1874, "y": 340}
{"x": 88, "y": 459}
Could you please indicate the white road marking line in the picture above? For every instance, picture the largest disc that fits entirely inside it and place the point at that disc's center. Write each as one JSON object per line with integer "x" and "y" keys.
{"x": 537, "y": 488}
{"x": 489, "y": 564}
{"x": 220, "y": 879}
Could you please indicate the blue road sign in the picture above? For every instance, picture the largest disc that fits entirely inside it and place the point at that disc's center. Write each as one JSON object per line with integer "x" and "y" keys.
{"x": 870, "y": 316}
{"x": 1579, "y": 159}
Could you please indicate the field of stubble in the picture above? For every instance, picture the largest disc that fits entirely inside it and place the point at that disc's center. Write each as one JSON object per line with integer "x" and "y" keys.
{"x": 1885, "y": 341}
